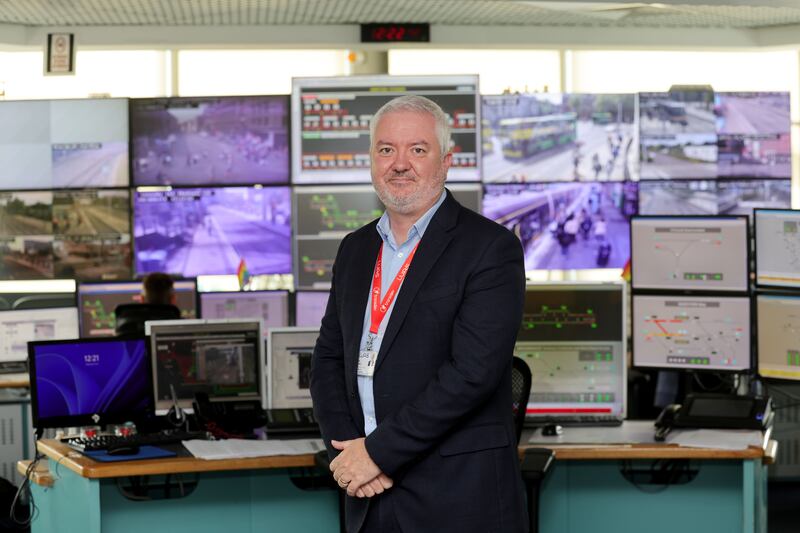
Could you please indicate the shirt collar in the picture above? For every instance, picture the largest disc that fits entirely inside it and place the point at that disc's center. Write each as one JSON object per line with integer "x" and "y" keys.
{"x": 385, "y": 231}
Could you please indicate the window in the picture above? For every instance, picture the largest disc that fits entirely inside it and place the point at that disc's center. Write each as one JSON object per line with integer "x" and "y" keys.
{"x": 244, "y": 72}
{"x": 499, "y": 70}
{"x": 116, "y": 73}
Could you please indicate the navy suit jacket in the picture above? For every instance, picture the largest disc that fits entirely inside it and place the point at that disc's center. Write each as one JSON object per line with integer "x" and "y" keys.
{"x": 442, "y": 381}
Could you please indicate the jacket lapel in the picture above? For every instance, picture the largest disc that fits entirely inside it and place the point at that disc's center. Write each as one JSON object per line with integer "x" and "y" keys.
{"x": 437, "y": 236}
{"x": 359, "y": 287}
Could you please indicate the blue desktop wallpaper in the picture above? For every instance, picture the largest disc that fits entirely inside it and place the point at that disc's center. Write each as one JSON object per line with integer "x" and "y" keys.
{"x": 83, "y": 378}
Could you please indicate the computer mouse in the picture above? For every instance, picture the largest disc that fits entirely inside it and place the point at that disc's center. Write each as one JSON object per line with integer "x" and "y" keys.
{"x": 552, "y": 430}
{"x": 124, "y": 449}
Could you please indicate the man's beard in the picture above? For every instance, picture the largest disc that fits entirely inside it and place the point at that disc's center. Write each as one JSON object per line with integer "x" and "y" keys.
{"x": 407, "y": 204}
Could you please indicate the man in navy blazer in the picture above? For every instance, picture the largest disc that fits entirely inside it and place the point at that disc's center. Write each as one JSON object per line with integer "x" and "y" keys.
{"x": 411, "y": 374}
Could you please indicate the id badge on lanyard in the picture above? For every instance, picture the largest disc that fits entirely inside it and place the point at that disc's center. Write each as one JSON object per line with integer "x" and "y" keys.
{"x": 368, "y": 357}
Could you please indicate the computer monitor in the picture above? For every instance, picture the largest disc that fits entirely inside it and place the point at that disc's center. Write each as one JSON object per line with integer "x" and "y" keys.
{"x": 89, "y": 382}
{"x": 690, "y": 253}
{"x": 573, "y": 338}
{"x": 777, "y": 247}
{"x": 62, "y": 144}
{"x": 310, "y": 308}
{"x": 559, "y": 137}
{"x": 97, "y": 302}
{"x": 223, "y": 358}
{"x": 194, "y": 231}
{"x": 272, "y": 307}
{"x": 19, "y": 327}
{"x": 778, "y": 334}
{"x": 565, "y": 226}
{"x": 289, "y": 352}
{"x": 691, "y": 332}
{"x": 331, "y": 116}
{"x": 210, "y": 140}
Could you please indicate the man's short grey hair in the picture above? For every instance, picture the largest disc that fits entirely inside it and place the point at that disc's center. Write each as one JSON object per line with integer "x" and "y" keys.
{"x": 416, "y": 104}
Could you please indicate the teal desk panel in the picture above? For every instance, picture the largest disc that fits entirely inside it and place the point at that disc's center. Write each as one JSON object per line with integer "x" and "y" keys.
{"x": 263, "y": 501}
{"x": 593, "y": 497}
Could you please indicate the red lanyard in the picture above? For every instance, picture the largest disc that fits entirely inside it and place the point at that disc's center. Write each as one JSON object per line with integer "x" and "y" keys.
{"x": 379, "y": 307}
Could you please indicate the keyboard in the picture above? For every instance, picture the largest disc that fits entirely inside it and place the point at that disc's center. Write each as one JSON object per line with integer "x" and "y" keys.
{"x": 583, "y": 420}
{"x": 109, "y": 442}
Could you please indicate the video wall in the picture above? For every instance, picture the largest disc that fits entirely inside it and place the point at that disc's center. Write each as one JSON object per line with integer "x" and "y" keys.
{"x": 112, "y": 189}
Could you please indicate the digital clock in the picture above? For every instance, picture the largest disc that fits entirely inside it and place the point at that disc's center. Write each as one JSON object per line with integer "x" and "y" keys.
{"x": 395, "y": 33}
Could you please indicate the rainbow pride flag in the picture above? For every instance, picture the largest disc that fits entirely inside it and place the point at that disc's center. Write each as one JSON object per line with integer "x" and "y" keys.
{"x": 243, "y": 274}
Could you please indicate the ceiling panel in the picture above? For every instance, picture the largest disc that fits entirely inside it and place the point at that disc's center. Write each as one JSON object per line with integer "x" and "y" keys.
{"x": 447, "y": 12}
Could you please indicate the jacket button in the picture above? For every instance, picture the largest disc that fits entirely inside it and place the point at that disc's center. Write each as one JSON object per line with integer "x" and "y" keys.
{"x": 353, "y": 394}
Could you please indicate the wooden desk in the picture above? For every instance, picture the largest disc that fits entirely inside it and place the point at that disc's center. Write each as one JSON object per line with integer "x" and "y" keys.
{"x": 593, "y": 488}
{"x": 75, "y": 493}
{"x": 585, "y": 492}
{"x": 14, "y": 381}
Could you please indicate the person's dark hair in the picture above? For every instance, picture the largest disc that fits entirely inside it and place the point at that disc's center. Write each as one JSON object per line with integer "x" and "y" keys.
{"x": 157, "y": 288}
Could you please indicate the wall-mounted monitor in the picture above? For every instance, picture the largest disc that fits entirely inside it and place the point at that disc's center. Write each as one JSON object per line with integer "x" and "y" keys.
{"x": 778, "y": 319}
{"x": 690, "y": 253}
{"x": 777, "y": 247}
{"x": 213, "y": 140}
{"x": 19, "y": 327}
{"x": 754, "y": 134}
{"x": 573, "y": 338}
{"x": 71, "y": 234}
{"x": 712, "y": 197}
{"x": 741, "y": 197}
{"x": 92, "y": 234}
{"x": 194, "y": 231}
{"x": 559, "y": 137}
{"x": 97, "y": 301}
{"x": 324, "y": 215}
{"x": 331, "y": 116}
{"x": 566, "y": 226}
{"x": 691, "y": 332}
{"x": 60, "y": 144}
{"x": 678, "y": 136}
{"x": 271, "y": 307}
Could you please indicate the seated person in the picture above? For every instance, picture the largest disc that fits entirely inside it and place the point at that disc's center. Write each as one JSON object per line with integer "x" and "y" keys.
{"x": 158, "y": 303}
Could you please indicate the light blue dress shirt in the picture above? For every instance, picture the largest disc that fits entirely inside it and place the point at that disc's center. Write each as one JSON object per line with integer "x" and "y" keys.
{"x": 393, "y": 258}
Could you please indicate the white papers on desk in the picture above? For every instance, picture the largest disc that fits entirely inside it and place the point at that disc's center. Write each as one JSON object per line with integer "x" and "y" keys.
{"x": 630, "y": 432}
{"x": 721, "y": 439}
{"x": 243, "y": 449}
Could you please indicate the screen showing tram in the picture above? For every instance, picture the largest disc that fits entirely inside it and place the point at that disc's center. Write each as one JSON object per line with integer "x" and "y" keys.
{"x": 559, "y": 137}
{"x": 566, "y": 226}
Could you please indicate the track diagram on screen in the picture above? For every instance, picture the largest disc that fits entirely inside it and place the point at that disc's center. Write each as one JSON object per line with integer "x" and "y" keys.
{"x": 678, "y": 247}
{"x": 559, "y": 317}
{"x": 686, "y": 337}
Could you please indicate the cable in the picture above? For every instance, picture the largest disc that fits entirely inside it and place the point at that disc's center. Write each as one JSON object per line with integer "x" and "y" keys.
{"x": 25, "y": 488}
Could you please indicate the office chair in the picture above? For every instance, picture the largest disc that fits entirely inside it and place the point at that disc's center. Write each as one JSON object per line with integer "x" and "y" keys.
{"x": 537, "y": 461}
{"x": 520, "y": 390}
{"x": 131, "y": 317}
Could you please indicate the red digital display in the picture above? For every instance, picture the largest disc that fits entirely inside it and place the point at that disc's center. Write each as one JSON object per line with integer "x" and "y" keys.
{"x": 395, "y": 33}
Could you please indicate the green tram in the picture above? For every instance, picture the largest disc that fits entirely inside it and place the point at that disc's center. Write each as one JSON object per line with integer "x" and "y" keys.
{"x": 524, "y": 137}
